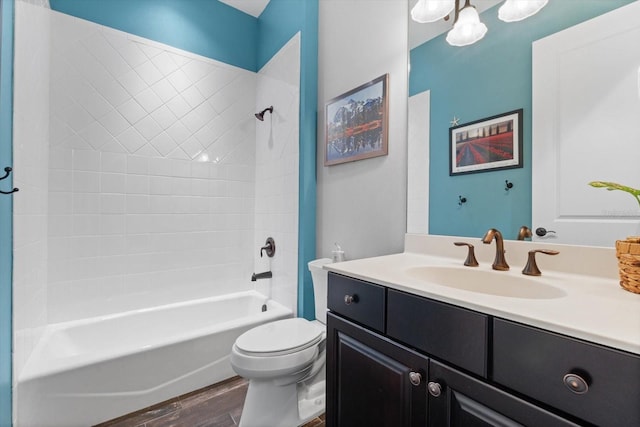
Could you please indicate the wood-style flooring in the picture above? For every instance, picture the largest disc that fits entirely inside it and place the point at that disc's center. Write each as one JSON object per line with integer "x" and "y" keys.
{"x": 219, "y": 405}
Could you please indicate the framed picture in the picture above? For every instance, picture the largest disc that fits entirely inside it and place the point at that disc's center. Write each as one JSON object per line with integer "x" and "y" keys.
{"x": 357, "y": 123}
{"x": 487, "y": 144}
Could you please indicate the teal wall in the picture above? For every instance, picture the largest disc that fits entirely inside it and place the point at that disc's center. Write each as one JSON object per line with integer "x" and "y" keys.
{"x": 488, "y": 78}
{"x": 6, "y": 235}
{"x": 211, "y": 29}
{"x": 206, "y": 27}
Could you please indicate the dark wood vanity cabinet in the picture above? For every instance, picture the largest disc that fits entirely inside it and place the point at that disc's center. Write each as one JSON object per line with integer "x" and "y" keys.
{"x": 359, "y": 301}
{"x": 595, "y": 383}
{"x": 371, "y": 381}
{"x": 397, "y": 359}
{"x": 449, "y": 333}
{"x": 460, "y": 400}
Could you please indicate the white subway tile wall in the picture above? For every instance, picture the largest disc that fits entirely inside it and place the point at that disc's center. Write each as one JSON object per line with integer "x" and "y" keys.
{"x": 277, "y": 154}
{"x": 149, "y": 174}
{"x": 157, "y": 156}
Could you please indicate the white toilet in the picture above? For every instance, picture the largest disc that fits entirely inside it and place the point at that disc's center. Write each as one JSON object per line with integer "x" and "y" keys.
{"x": 284, "y": 362}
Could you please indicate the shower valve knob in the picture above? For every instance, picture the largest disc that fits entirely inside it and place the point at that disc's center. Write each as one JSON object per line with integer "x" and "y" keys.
{"x": 269, "y": 248}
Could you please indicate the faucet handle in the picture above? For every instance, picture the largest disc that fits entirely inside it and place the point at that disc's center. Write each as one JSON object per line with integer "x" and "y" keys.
{"x": 269, "y": 247}
{"x": 531, "y": 269}
{"x": 471, "y": 260}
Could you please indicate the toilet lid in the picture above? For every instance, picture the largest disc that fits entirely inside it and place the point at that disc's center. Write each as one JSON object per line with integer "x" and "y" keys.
{"x": 283, "y": 335}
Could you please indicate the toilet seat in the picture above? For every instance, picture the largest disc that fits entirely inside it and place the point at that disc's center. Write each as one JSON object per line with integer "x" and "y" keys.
{"x": 279, "y": 338}
{"x": 278, "y": 348}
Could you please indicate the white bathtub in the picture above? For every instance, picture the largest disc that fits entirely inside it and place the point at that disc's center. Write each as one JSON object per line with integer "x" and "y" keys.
{"x": 92, "y": 370}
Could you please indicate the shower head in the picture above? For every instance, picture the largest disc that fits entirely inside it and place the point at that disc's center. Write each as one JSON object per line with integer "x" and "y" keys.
{"x": 260, "y": 115}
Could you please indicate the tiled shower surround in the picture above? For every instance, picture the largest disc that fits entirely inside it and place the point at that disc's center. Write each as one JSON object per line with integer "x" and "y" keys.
{"x": 155, "y": 190}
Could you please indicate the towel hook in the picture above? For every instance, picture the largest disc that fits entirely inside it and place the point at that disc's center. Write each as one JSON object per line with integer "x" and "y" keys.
{"x": 7, "y": 172}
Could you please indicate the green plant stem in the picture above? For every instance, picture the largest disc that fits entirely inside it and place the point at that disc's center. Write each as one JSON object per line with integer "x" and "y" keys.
{"x": 611, "y": 186}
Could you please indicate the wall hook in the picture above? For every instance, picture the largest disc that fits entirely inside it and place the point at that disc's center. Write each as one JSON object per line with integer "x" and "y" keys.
{"x": 7, "y": 172}
{"x": 507, "y": 185}
{"x": 461, "y": 200}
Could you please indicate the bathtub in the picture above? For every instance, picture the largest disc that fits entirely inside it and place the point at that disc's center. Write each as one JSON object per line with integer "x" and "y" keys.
{"x": 92, "y": 370}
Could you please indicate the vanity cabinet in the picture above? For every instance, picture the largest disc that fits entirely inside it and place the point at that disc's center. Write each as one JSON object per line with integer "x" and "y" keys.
{"x": 450, "y": 333}
{"x": 406, "y": 360}
{"x": 359, "y": 301}
{"x": 372, "y": 381}
{"x": 595, "y": 383}
{"x": 458, "y": 399}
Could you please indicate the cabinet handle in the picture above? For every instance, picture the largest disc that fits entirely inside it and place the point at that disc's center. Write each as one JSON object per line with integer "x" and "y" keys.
{"x": 541, "y": 231}
{"x": 350, "y": 299}
{"x": 576, "y": 383}
{"x": 415, "y": 378}
{"x": 434, "y": 388}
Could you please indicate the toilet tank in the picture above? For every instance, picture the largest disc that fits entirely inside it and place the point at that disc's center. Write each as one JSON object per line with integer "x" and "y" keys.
{"x": 319, "y": 277}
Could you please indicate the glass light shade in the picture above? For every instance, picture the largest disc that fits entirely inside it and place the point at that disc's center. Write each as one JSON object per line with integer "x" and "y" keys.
{"x": 431, "y": 10}
{"x": 468, "y": 29}
{"x": 517, "y": 10}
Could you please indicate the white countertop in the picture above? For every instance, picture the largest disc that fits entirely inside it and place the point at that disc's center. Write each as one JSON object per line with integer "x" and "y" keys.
{"x": 595, "y": 307}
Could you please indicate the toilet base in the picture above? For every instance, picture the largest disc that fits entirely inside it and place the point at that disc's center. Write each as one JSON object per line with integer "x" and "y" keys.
{"x": 311, "y": 401}
{"x": 290, "y": 405}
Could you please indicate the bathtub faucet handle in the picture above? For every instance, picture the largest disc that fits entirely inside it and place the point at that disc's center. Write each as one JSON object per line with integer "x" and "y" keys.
{"x": 269, "y": 247}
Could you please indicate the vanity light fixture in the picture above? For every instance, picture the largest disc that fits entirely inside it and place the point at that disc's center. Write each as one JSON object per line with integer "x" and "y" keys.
{"x": 431, "y": 10}
{"x": 517, "y": 10}
{"x": 467, "y": 28}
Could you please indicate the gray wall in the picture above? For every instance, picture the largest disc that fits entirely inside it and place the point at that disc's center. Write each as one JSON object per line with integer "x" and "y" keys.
{"x": 362, "y": 205}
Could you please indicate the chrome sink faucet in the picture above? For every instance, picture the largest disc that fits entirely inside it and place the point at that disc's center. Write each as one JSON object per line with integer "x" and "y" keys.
{"x": 499, "y": 263}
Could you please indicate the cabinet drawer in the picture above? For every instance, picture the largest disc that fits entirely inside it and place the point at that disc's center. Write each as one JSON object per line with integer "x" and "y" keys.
{"x": 454, "y": 334}
{"x": 359, "y": 301}
{"x": 535, "y": 363}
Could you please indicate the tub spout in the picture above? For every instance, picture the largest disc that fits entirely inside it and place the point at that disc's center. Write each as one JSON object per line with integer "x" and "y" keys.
{"x": 265, "y": 275}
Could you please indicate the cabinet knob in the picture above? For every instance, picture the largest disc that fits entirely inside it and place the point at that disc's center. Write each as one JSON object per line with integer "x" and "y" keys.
{"x": 434, "y": 388}
{"x": 415, "y": 378}
{"x": 350, "y": 299}
{"x": 576, "y": 383}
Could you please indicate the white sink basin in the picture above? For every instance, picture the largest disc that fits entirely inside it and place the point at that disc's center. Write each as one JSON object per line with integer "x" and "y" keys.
{"x": 486, "y": 282}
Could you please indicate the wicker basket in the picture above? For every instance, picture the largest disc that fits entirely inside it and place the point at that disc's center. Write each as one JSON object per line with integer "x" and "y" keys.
{"x": 628, "y": 253}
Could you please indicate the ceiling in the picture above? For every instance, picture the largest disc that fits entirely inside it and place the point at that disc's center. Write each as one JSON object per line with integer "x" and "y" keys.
{"x": 418, "y": 33}
{"x": 250, "y": 7}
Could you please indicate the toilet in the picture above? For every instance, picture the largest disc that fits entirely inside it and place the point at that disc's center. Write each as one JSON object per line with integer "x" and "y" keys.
{"x": 284, "y": 362}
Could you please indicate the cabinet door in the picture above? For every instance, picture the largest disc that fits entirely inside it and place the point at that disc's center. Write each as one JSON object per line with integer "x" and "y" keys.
{"x": 459, "y": 400}
{"x": 372, "y": 381}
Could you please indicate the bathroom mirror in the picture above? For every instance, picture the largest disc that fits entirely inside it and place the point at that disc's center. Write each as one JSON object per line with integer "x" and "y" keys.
{"x": 450, "y": 84}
